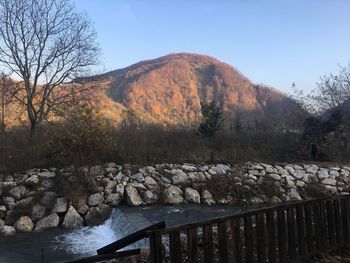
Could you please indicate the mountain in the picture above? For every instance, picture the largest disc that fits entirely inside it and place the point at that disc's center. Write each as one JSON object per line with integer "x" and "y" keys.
{"x": 169, "y": 90}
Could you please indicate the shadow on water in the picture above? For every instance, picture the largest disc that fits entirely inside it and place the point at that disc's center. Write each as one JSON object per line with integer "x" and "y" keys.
{"x": 65, "y": 244}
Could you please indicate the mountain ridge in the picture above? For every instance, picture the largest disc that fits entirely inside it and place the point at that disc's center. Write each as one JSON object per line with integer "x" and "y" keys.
{"x": 170, "y": 89}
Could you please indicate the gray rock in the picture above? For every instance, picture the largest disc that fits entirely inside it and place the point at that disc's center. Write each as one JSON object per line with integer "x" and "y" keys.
{"x": 173, "y": 195}
{"x": 2, "y": 224}
{"x": 48, "y": 199}
{"x": 32, "y": 181}
{"x": 207, "y": 198}
{"x": 221, "y": 169}
{"x": 24, "y": 206}
{"x": 197, "y": 177}
{"x": 148, "y": 197}
{"x": 46, "y": 174}
{"x": 113, "y": 199}
{"x": 110, "y": 187}
{"x": 275, "y": 177}
{"x": 9, "y": 202}
{"x": 151, "y": 184}
{"x": 312, "y": 169}
{"x": 298, "y": 173}
{"x": 293, "y": 194}
{"x": 274, "y": 200}
{"x": 38, "y": 211}
{"x": 18, "y": 192}
{"x": 334, "y": 173}
{"x": 180, "y": 177}
{"x": 138, "y": 177}
{"x": 97, "y": 215}
{"x": 60, "y": 205}
{"x": 24, "y": 224}
{"x": 329, "y": 181}
{"x": 257, "y": 200}
{"x": 3, "y": 211}
{"x": 119, "y": 189}
{"x": 188, "y": 167}
{"x": 95, "y": 199}
{"x": 47, "y": 184}
{"x": 48, "y": 222}
{"x": 11, "y": 217}
{"x": 80, "y": 205}
{"x": 132, "y": 196}
{"x": 8, "y": 231}
{"x": 323, "y": 173}
{"x": 192, "y": 196}
{"x": 72, "y": 219}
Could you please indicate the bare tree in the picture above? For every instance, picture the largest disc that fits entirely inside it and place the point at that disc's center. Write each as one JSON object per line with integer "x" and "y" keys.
{"x": 45, "y": 43}
{"x": 331, "y": 91}
{"x": 8, "y": 89}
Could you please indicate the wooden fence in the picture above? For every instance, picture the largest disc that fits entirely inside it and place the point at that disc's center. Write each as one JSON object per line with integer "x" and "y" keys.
{"x": 290, "y": 232}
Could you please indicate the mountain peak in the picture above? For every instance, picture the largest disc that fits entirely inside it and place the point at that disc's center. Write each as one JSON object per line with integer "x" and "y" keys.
{"x": 170, "y": 89}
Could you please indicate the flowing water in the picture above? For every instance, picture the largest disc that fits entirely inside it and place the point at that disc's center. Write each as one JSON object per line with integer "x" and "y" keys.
{"x": 60, "y": 245}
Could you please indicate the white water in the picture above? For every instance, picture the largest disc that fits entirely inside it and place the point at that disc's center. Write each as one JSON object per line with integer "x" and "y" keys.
{"x": 87, "y": 240}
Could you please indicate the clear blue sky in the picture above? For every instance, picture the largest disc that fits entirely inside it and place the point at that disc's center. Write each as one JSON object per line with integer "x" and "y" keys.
{"x": 275, "y": 42}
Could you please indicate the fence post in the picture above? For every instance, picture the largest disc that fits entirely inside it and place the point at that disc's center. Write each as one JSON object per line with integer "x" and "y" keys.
{"x": 155, "y": 241}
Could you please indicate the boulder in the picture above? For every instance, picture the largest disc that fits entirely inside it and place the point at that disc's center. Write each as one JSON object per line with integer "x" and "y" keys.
{"x": 188, "y": 167}
{"x": 3, "y": 211}
{"x": 47, "y": 184}
{"x": 138, "y": 177}
{"x": 110, "y": 187}
{"x": 24, "y": 206}
{"x": 173, "y": 195}
{"x": 119, "y": 189}
{"x": 8, "y": 231}
{"x": 323, "y": 173}
{"x": 329, "y": 181}
{"x": 48, "y": 199}
{"x": 24, "y": 224}
{"x": 72, "y": 219}
{"x": 275, "y": 177}
{"x": 179, "y": 177}
{"x": 18, "y": 192}
{"x": 60, "y": 205}
{"x": 47, "y": 222}
{"x": 132, "y": 196}
{"x": 192, "y": 196}
{"x": 97, "y": 215}
{"x": 151, "y": 184}
{"x": 113, "y": 199}
{"x": 2, "y": 224}
{"x": 274, "y": 200}
{"x": 293, "y": 194}
{"x": 46, "y": 174}
{"x": 80, "y": 205}
{"x": 32, "y": 181}
{"x": 207, "y": 198}
{"x": 197, "y": 177}
{"x": 298, "y": 173}
{"x": 312, "y": 169}
{"x": 148, "y": 197}
{"x": 38, "y": 211}
{"x": 95, "y": 199}
{"x": 11, "y": 217}
{"x": 9, "y": 202}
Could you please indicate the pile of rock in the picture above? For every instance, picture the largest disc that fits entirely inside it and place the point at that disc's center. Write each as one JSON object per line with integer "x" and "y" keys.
{"x": 31, "y": 201}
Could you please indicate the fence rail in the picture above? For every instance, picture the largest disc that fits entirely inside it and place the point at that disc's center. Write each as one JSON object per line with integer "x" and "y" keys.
{"x": 284, "y": 233}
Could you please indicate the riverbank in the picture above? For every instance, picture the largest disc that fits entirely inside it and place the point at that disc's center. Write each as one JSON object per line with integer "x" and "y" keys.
{"x": 41, "y": 199}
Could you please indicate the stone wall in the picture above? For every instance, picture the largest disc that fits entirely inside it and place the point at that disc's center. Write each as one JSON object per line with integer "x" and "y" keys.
{"x": 40, "y": 199}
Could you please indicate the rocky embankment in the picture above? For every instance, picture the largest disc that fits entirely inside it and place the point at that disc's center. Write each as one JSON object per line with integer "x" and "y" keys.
{"x": 40, "y": 199}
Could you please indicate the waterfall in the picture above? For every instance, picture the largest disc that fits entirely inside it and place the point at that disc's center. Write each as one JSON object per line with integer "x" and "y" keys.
{"x": 87, "y": 240}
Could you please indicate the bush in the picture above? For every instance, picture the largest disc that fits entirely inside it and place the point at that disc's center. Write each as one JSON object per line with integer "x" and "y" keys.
{"x": 82, "y": 139}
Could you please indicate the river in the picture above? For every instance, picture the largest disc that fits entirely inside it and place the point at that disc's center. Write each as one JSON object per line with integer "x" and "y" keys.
{"x": 60, "y": 245}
